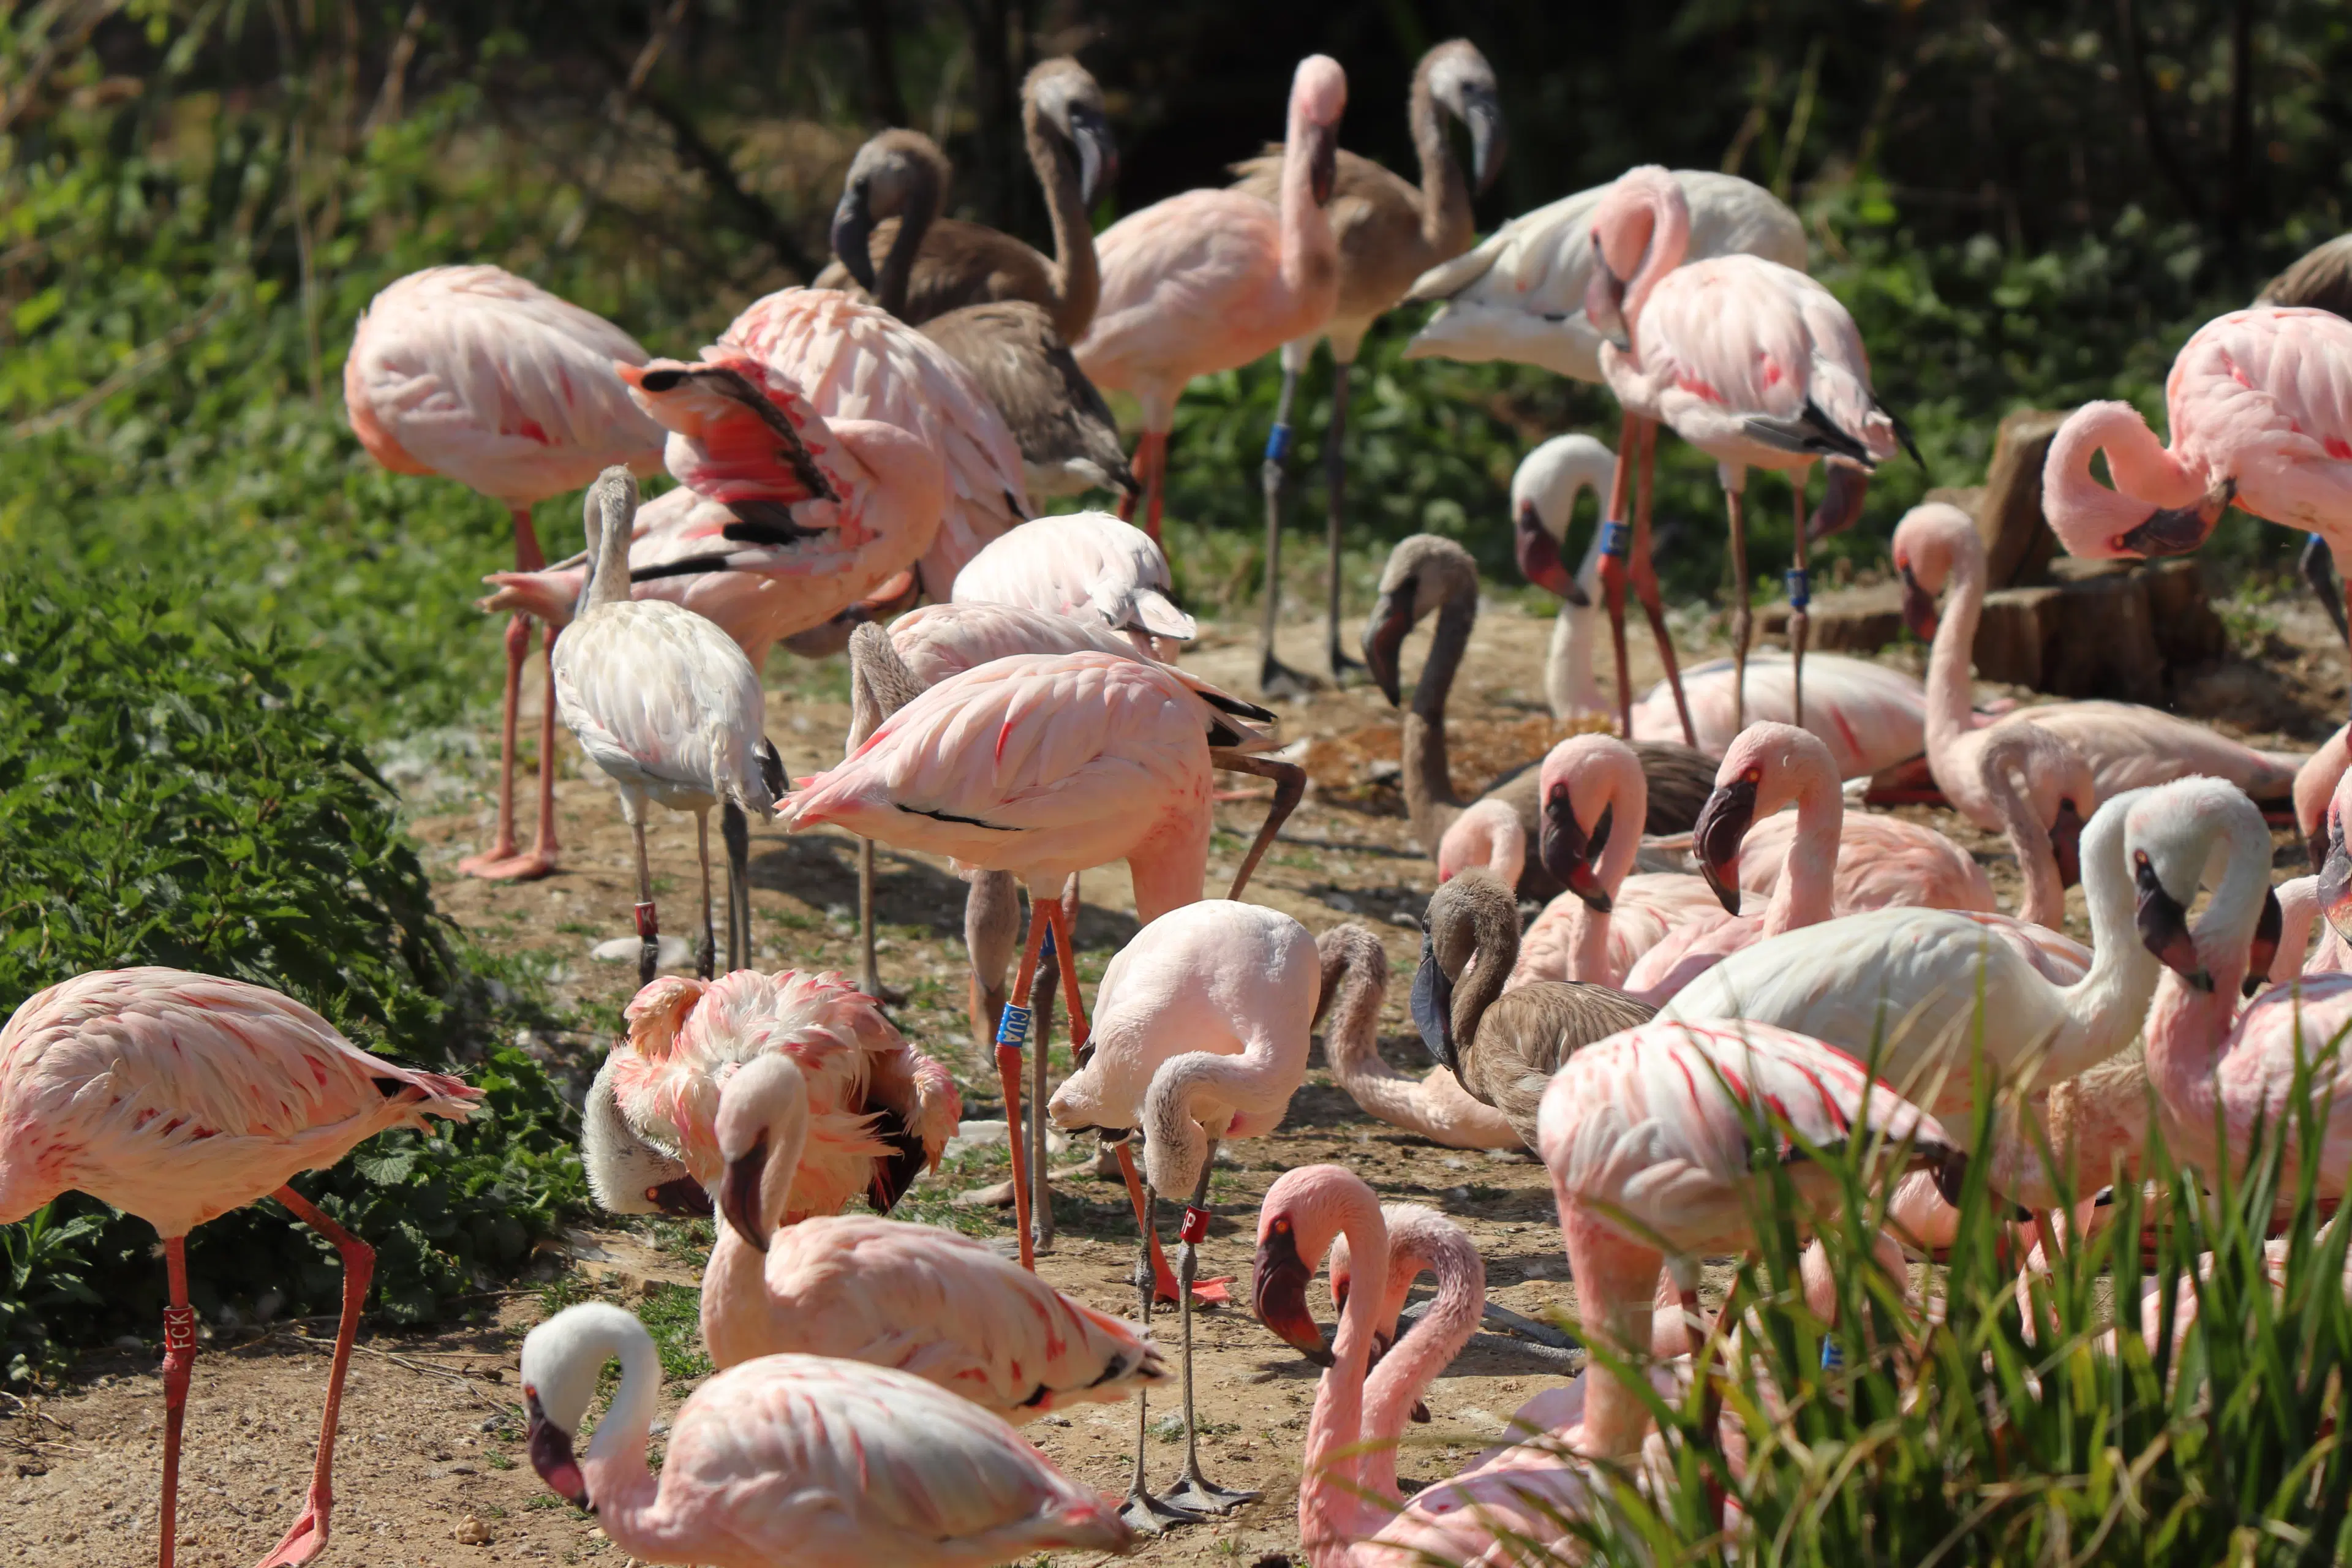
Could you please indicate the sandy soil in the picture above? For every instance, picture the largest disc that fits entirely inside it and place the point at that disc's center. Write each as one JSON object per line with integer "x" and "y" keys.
{"x": 431, "y": 1469}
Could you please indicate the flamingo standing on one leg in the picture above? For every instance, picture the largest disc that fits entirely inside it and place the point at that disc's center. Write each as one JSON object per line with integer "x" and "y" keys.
{"x": 1201, "y": 1033}
{"x": 947, "y": 1307}
{"x": 1208, "y": 281}
{"x": 476, "y": 373}
{"x": 177, "y": 1098}
{"x": 2259, "y": 403}
{"x": 1752, "y": 363}
{"x": 794, "y": 1461}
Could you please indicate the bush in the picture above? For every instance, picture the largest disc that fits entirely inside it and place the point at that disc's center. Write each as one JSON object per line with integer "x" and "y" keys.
{"x": 166, "y": 797}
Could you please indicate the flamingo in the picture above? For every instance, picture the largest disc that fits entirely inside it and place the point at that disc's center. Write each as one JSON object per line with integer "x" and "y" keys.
{"x": 1349, "y": 1485}
{"x": 1093, "y": 758}
{"x": 2259, "y": 403}
{"x": 794, "y": 1460}
{"x": 1503, "y": 1042}
{"x": 954, "y": 264}
{"x": 1088, "y": 564}
{"x": 1427, "y": 574}
{"x": 949, "y": 1309}
{"x": 667, "y": 706}
{"x": 1386, "y": 233}
{"x": 853, "y": 360}
{"x": 1521, "y": 295}
{"x": 474, "y": 373}
{"x": 177, "y": 1098}
{"x": 2299, "y": 911}
{"x": 1870, "y": 716}
{"x": 1208, "y": 281}
{"x": 1436, "y": 1107}
{"x": 1200, "y": 1035}
{"x": 1937, "y": 550}
{"x": 1767, "y": 767}
{"x": 2314, "y": 786}
{"x": 880, "y": 1111}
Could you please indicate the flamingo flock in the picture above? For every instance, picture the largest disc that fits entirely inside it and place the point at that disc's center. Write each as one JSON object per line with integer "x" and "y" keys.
{"x": 1724, "y": 959}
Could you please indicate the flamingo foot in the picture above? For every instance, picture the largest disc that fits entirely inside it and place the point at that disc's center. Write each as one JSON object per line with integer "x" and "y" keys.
{"x": 1194, "y": 1492}
{"x": 1278, "y": 680}
{"x": 306, "y": 1540}
{"x": 495, "y": 866}
{"x": 1148, "y": 1515}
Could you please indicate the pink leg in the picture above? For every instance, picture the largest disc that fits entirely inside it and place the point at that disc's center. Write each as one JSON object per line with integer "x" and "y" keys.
{"x": 502, "y": 862}
{"x": 309, "y": 1532}
{"x": 179, "y": 1360}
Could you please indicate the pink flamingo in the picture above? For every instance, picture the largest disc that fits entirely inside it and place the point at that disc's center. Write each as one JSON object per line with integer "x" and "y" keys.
{"x": 1200, "y": 1035}
{"x": 1766, "y": 768}
{"x": 1752, "y": 363}
{"x": 474, "y": 373}
{"x": 794, "y": 1461}
{"x": 1349, "y": 1488}
{"x": 2259, "y": 402}
{"x": 951, "y": 1310}
{"x": 1435, "y": 1106}
{"x": 1936, "y": 550}
{"x": 1088, "y": 564}
{"x": 1093, "y": 758}
{"x": 2314, "y": 786}
{"x": 177, "y": 1098}
{"x": 855, "y": 360}
{"x": 880, "y": 1111}
{"x": 1211, "y": 279}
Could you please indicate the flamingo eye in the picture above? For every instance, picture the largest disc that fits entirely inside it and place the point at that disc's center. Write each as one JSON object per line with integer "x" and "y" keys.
{"x": 1754, "y": 776}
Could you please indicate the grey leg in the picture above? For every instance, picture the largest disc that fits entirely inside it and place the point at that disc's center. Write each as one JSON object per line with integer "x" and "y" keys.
{"x": 735, "y": 828}
{"x": 1144, "y": 1513}
{"x": 648, "y": 923}
{"x": 1335, "y": 469}
{"x": 708, "y": 953}
{"x": 1275, "y": 679}
{"x": 1195, "y": 1490}
{"x": 1740, "y": 614}
{"x": 869, "y": 975}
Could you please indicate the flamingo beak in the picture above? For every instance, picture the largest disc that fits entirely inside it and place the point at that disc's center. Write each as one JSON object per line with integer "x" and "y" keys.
{"x": 853, "y": 231}
{"x": 1323, "y": 172}
{"x": 2163, "y": 922}
{"x": 1569, "y": 855}
{"x": 1722, "y": 823}
{"x": 1918, "y": 606}
{"x": 2336, "y": 882}
{"x": 1484, "y": 115}
{"x": 738, "y": 1194}
{"x": 1098, "y": 154}
{"x": 1431, "y": 1006}
{"x": 1278, "y": 1292}
{"x": 551, "y": 1455}
{"x": 1841, "y": 499}
{"x": 2263, "y": 951}
{"x": 1604, "y": 302}
{"x": 680, "y": 1197}
{"x": 1384, "y": 635}
{"x": 2177, "y": 530}
{"x": 2067, "y": 844}
{"x": 1539, "y": 562}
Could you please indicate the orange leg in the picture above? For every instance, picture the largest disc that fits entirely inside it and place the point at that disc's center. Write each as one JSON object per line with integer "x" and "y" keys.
{"x": 179, "y": 1360}
{"x": 304, "y": 1541}
{"x": 1612, "y": 562}
{"x": 502, "y": 862}
{"x": 1009, "y": 1039}
{"x": 1646, "y": 581}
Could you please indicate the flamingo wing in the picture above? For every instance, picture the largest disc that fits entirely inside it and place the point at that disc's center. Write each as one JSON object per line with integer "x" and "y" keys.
{"x": 664, "y": 701}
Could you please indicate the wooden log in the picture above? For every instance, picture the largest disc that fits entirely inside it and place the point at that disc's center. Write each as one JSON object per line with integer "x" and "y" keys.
{"x": 2019, "y": 545}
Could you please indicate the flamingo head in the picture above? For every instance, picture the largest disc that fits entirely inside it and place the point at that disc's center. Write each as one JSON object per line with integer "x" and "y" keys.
{"x": 1065, "y": 94}
{"x": 1425, "y": 571}
{"x": 1463, "y": 83}
{"x": 1543, "y": 500}
{"x": 1625, "y": 226}
{"x": 1294, "y": 1230}
{"x": 1579, "y": 807}
{"x": 1928, "y": 540}
{"x": 1318, "y": 96}
{"x": 563, "y": 1361}
{"x": 899, "y": 174}
{"x": 761, "y": 1127}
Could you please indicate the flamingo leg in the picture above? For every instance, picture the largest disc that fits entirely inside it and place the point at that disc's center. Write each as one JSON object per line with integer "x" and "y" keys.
{"x": 1041, "y": 1187}
{"x": 1741, "y": 617}
{"x": 2317, "y": 564}
{"x": 648, "y": 921}
{"x": 706, "y": 954}
{"x": 1144, "y": 1513}
{"x": 1801, "y": 595}
{"x": 179, "y": 1362}
{"x": 1645, "y": 583}
{"x": 1710, "y": 1410}
{"x": 309, "y": 1535}
{"x": 1159, "y": 442}
{"x": 1275, "y": 679}
{"x": 1335, "y": 469}
{"x": 869, "y": 963}
{"x": 992, "y": 924}
{"x": 1164, "y": 1283}
{"x": 1613, "y": 563}
{"x": 502, "y": 862}
{"x": 1010, "y": 1037}
{"x": 1195, "y": 1490}
{"x": 735, "y": 828}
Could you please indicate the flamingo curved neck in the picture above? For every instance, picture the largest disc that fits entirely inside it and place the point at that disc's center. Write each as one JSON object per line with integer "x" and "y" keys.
{"x": 896, "y": 276}
{"x": 1802, "y": 895}
{"x": 735, "y": 1281}
{"x": 2087, "y": 514}
{"x": 1950, "y": 694}
{"x": 1494, "y": 948}
{"x": 1568, "y": 685}
{"x": 1333, "y": 1512}
{"x": 1310, "y": 261}
{"x": 1445, "y": 216}
{"x": 1429, "y": 803}
{"x": 1076, "y": 275}
{"x": 2105, "y": 1007}
{"x": 1408, "y": 1369}
{"x": 2043, "y": 902}
{"x": 622, "y": 1489}
{"x": 1669, "y": 243}
{"x": 1629, "y": 807}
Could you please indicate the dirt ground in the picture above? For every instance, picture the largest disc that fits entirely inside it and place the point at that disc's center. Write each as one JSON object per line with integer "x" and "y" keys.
{"x": 431, "y": 1470}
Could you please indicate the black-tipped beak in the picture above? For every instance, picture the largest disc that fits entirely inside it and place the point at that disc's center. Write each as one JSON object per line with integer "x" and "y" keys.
{"x": 1431, "y": 1006}
{"x": 680, "y": 1197}
{"x": 1278, "y": 1293}
{"x": 550, "y": 1454}
{"x": 1568, "y": 854}
{"x": 2263, "y": 951}
{"x": 1722, "y": 824}
{"x": 1918, "y": 606}
{"x": 1538, "y": 556}
{"x": 1098, "y": 154}
{"x": 2163, "y": 922}
{"x": 738, "y": 1194}
{"x": 2336, "y": 883}
{"x": 2067, "y": 844}
{"x": 2319, "y": 843}
{"x": 1604, "y": 302}
{"x": 1323, "y": 172}
{"x": 2177, "y": 530}
{"x": 852, "y": 231}
{"x": 1384, "y": 635}
{"x": 1841, "y": 497}
{"x": 1488, "y": 142}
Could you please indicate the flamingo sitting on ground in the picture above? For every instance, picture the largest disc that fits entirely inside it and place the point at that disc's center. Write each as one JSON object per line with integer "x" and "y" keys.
{"x": 667, "y": 706}
{"x": 794, "y": 1461}
{"x": 1435, "y": 1106}
{"x": 1386, "y": 233}
{"x": 1208, "y": 281}
{"x": 177, "y": 1098}
{"x": 1752, "y": 363}
{"x": 1937, "y": 549}
{"x": 476, "y": 373}
{"x": 951, "y": 1310}
{"x": 1200, "y": 1035}
{"x": 880, "y": 1111}
{"x": 2259, "y": 403}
